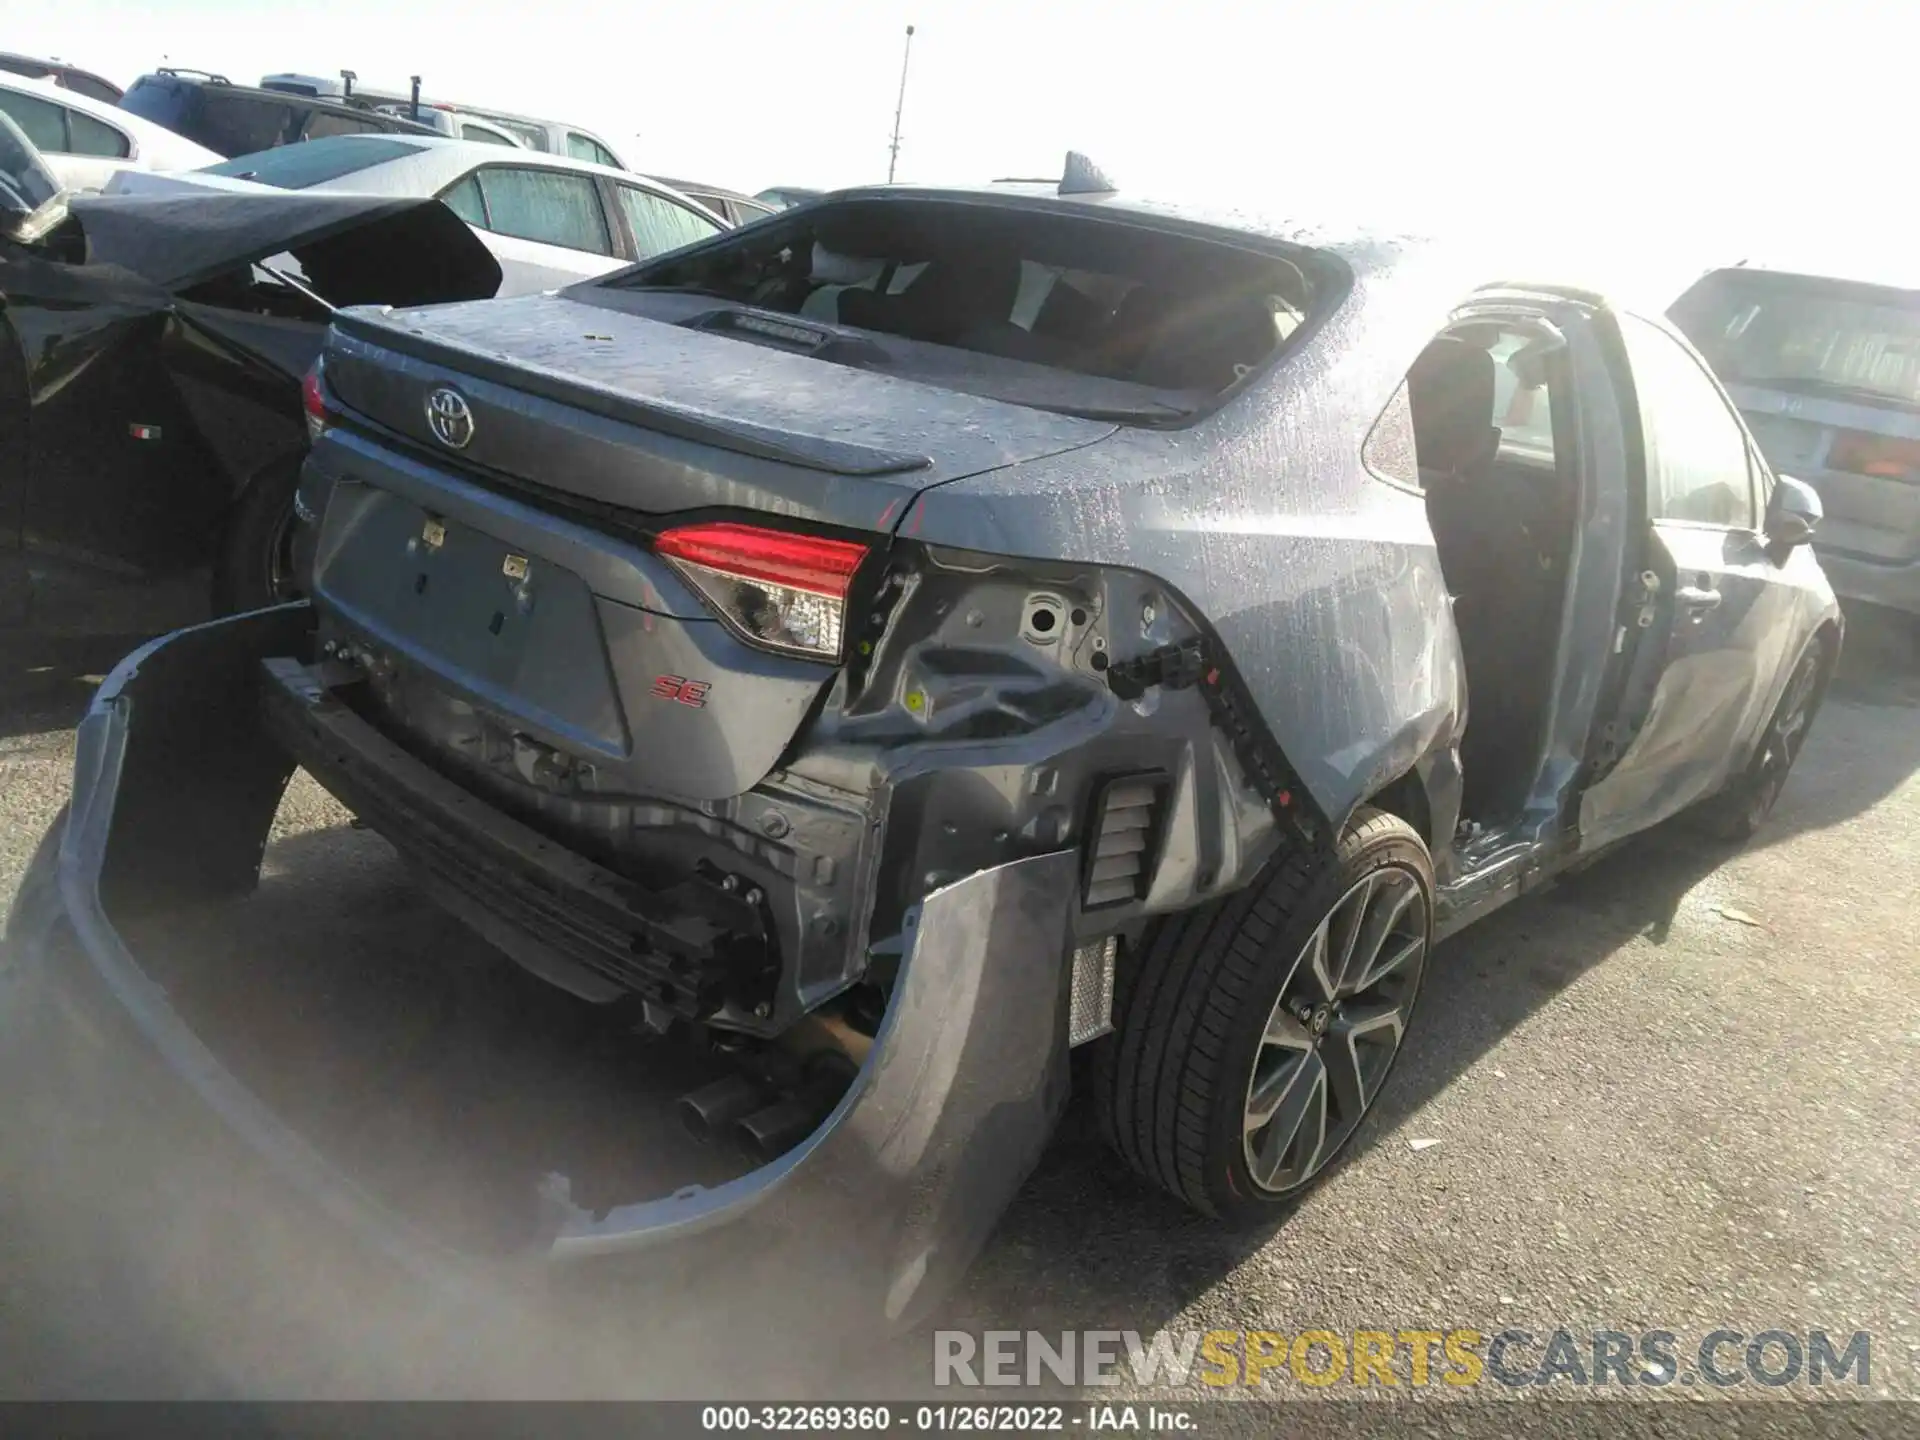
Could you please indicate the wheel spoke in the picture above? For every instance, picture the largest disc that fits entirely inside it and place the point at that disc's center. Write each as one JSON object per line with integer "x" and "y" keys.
{"x": 1379, "y": 950}
{"x": 1793, "y": 710}
{"x": 1295, "y": 1136}
{"x": 1271, "y": 1091}
{"x": 1313, "y": 969}
{"x": 1285, "y": 1029}
{"x": 1345, "y": 930}
{"x": 1359, "y": 1045}
{"x": 1394, "y": 953}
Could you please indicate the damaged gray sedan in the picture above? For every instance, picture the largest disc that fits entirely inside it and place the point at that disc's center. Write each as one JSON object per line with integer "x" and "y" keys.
{"x": 927, "y": 631}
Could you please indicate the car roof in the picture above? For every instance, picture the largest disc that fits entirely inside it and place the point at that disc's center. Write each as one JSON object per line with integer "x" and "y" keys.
{"x": 450, "y": 146}
{"x": 452, "y": 157}
{"x": 54, "y": 67}
{"x": 167, "y": 75}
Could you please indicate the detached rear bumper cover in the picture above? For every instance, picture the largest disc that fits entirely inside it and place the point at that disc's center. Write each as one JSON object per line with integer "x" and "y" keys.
{"x": 176, "y": 784}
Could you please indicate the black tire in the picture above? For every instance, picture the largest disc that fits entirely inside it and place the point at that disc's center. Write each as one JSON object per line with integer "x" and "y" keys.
{"x": 254, "y": 566}
{"x": 1736, "y": 813}
{"x": 1196, "y": 1001}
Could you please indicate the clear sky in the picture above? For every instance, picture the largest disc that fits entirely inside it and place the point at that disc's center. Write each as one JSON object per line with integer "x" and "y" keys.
{"x": 1659, "y": 130}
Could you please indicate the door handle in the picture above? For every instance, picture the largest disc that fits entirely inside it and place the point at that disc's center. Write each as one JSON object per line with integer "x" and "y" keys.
{"x": 1696, "y": 598}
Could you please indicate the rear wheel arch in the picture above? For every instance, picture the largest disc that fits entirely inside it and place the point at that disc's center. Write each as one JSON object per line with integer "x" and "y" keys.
{"x": 1406, "y": 796}
{"x": 250, "y": 568}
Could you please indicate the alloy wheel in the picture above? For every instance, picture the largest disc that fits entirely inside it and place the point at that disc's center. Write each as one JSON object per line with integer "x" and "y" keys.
{"x": 1336, "y": 1026}
{"x": 1781, "y": 744}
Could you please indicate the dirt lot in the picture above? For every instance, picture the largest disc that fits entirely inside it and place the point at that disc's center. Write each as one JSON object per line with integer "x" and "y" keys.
{"x": 1675, "y": 1092}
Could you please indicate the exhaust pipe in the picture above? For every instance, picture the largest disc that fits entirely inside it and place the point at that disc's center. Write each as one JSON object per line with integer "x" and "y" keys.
{"x": 710, "y": 1110}
{"x": 768, "y": 1134}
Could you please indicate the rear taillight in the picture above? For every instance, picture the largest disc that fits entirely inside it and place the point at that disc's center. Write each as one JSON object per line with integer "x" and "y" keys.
{"x": 1861, "y": 453}
{"x": 777, "y": 589}
{"x": 313, "y": 399}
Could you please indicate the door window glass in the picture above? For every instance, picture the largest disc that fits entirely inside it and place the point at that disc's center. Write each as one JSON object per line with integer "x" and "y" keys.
{"x": 88, "y": 136}
{"x": 1522, "y": 406}
{"x": 324, "y": 123}
{"x": 531, "y": 136}
{"x": 1696, "y": 451}
{"x": 546, "y": 205}
{"x": 584, "y": 147}
{"x": 42, "y": 121}
{"x": 464, "y": 200}
{"x": 660, "y": 225}
{"x": 240, "y": 124}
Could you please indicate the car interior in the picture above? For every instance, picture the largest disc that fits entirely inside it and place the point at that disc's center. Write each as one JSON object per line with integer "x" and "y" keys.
{"x": 1095, "y": 299}
{"x": 1502, "y": 504}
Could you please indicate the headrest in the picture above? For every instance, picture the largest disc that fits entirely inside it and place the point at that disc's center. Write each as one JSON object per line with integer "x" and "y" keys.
{"x": 1450, "y": 390}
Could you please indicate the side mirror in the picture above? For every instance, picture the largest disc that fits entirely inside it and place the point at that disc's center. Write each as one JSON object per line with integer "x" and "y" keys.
{"x": 1792, "y": 513}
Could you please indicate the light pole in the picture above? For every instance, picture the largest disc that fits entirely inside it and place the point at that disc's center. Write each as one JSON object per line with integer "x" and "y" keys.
{"x": 893, "y": 150}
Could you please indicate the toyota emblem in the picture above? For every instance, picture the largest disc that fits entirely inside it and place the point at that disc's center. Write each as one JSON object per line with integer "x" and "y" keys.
{"x": 449, "y": 418}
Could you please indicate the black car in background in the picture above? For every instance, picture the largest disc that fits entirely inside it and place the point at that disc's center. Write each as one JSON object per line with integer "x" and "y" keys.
{"x": 152, "y": 353}
{"x": 238, "y": 119}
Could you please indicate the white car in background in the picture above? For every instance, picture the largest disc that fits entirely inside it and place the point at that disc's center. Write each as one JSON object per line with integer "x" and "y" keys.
{"x": 86, "y": 142}
{"x": 456, "y": 124}
{"x": 548, "y": 220}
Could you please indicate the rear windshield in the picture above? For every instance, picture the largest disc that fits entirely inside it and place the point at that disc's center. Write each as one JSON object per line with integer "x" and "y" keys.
{"x": 226, "y": 123}
{"x": 295, "y": 167}
{"x": 1817, "y": 337}
{"x": 1087, "y": 296}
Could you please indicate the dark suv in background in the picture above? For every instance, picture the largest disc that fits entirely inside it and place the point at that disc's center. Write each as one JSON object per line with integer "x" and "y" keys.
{"x": 1826, "y": 372}
{"x": 239, "y": 120}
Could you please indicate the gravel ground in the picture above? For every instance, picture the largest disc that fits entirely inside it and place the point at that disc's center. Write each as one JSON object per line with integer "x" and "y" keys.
{"x": 1674, "y": 1092}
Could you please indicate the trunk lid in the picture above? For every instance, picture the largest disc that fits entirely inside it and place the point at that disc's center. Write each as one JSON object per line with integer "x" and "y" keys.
{"x": 649, "y": 418}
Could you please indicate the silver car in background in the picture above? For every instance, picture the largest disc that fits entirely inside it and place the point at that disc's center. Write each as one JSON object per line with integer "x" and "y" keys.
{"x": 1827, "y": 374}
{"x": 548, "y": 220}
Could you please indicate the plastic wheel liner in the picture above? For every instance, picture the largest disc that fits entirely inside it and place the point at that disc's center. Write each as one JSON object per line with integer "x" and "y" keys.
{"x": 176, "y": 786}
